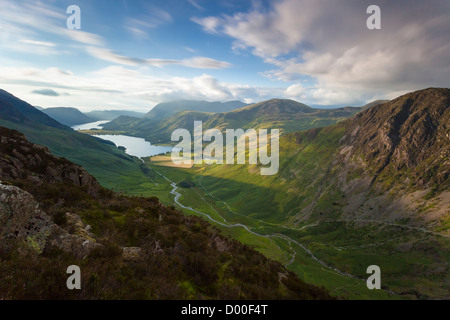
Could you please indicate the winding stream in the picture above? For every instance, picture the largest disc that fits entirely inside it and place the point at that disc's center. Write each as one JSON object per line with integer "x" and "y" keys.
{"x": 228, "y": 225}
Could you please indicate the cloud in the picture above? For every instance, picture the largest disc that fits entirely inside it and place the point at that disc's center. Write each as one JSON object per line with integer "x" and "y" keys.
{"x": 195, "y": 62}
{"x": 204, "y": 63}
{"x": 32, "y": 20}
{"x": 331, "y": 45}
{"x": 209, "y": 24}
{"x": 195, "y": 4}
{"x": 84, "y": 37}
{"x": 38, "y": 43}
{"x": 119, "y": 87}
{"x": 152, "y": 17}
{"x": 47, "y": 92}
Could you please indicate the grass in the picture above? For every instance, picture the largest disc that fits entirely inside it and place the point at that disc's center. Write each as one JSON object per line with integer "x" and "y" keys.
{"x": 112, "y": 167}
{"x": 166, "y": 161}
{"x": 271, "y": 206}
{"x": 268, "y": 206}
{"x": 273, "y": 247}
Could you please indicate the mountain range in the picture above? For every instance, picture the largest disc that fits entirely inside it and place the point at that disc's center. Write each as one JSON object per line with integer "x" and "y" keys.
{"x": 378, "y": 181}
{"x": 72, "y": 116}
{"x": 67, "y": 116}
{"x": 356, "y": 187}
{"x": 166, "y": 109}
{"x": 286, "y": 115}
{"x": 99, "y": 115}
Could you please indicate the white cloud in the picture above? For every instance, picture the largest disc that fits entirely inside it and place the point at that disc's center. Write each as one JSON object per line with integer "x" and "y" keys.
{"x": 209, "y": 24}
{"x": 329, "y": 43}
{"x": 113, "y": 87}
{"x": 204, "y": 63}
{"x": 195, "y": 62}
{"x": 38, "y": 43}
{"x": 84, "y": 37}
{"x": 152, "y": 17}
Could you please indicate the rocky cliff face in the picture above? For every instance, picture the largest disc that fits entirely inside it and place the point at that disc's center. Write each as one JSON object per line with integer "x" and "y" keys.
{"x": 405, "y": 133}
{"x": 22, "y": 160}
{"x": 394, "y": 160}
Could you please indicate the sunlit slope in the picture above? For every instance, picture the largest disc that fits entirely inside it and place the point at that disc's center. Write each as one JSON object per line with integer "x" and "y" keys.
{"x": 285, "y": 115}
{"x": 111, "y": 166}
{"x": 361, "y": 191}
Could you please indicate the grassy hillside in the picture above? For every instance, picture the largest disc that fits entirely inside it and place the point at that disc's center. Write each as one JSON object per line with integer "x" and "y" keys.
{"x": 369, "y": 190}
{"x": 67, "y": 116}
{"x": 165, "y": 110}
{"x": 111, "y": 166}
{"x": 285, "y": 115}
{"x": 99, "y": 115}
{"x": 135, "y": 247}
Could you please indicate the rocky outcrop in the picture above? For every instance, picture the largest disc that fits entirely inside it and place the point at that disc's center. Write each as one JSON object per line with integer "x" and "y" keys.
{"x": 394, "y": 160}
{"x": 408, "y": 133}
{"x": 22, "y": 160}
{"x": 22, "y": 221}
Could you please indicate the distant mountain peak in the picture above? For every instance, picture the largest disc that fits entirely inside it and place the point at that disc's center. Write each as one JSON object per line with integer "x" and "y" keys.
{"x": 166, "y": 109}
{"x": 18, "y": 111}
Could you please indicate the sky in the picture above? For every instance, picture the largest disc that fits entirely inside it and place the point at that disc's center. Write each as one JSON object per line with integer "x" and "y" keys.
{"x": 134, "y": 54}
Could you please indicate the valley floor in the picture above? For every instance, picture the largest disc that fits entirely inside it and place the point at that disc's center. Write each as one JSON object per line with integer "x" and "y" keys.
{"x": 333, "y": 253}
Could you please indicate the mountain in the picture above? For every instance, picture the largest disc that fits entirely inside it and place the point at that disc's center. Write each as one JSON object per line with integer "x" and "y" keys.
{"x": 53, "y": 214}
{"x": 67, "y": 116}
{"x": 99, "y": 115}
{"x": 101, "y": 158}
{"x": 167, "y": 109}
{"x": 372, "y": 189}
{"x": 18, "y": 111}
{"x": 283, "y": 114}
{"x": 373, "y": 103}
{"x": 286, "y": 115}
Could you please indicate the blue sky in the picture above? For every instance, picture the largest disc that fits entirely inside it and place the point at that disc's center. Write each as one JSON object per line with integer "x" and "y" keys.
{"x": 133, "y": 54}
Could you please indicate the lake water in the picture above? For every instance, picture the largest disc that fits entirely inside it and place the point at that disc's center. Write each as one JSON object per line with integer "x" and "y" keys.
{"x": 90, "y": 125}
{"x": 137, "y": 147}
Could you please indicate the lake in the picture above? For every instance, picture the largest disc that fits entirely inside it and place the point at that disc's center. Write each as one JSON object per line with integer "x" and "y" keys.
{"x": 135, "y": 146}
{"x": 90, "y": 125}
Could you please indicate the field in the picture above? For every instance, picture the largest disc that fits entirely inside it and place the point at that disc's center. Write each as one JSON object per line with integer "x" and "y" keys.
{"x": 260, "y": 212}
{"x": 166, "y": 161}
{"x": 333, "y": 253}
{"x": 274, "y": 240}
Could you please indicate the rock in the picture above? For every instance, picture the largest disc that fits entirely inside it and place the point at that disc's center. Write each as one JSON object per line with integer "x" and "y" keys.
{"x": 77, "y": 226}
{"x": 20, "y": 159}
{"x": 21, "y": 219}
{"x": 131, "y": 253}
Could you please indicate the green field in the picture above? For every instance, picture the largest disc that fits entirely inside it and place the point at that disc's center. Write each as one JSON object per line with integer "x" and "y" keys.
{"x": 262, "y": 213}
{"x": 348, "y": 246}
{"x": 269, "y": 238}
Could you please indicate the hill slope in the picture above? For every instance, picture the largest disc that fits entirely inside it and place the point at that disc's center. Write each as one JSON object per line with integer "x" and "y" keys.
{"x": 111, "y": 166}
{"x": 167, "y": 109}
{"x": 68, "y": 116}
{"x": 18, "y": 111}
{"x": 134, "y": 247}
{"x": 357, "y": 193}
{"x": 286, "y": 115}
{"x": 99, "y": 115}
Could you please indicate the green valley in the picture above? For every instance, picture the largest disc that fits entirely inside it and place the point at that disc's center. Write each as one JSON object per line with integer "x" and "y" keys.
{"x": 325, "y": 200}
